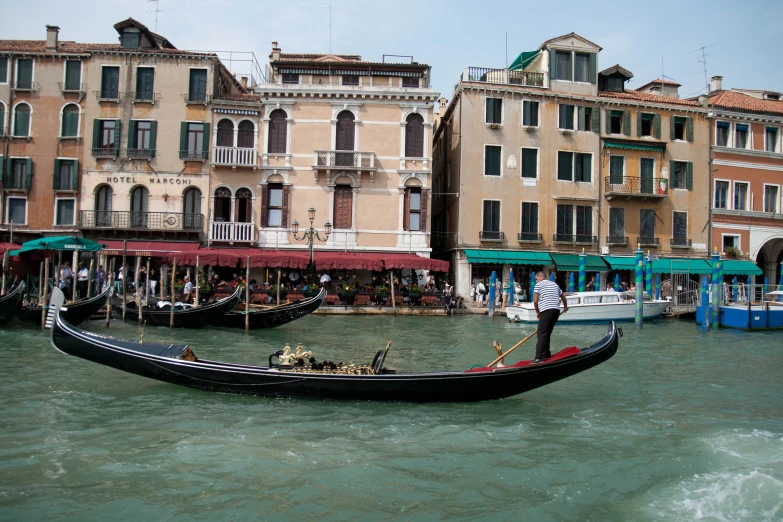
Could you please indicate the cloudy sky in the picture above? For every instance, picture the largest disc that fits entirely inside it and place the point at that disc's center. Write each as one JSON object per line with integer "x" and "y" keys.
{"x": 745, "y": 37}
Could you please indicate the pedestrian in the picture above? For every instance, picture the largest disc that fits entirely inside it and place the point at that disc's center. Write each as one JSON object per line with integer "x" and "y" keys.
{"x": 66, "y": 276}
{"x": 472, "y": 292}
{"x": 482, "y": 291}
{"x": 153, "y": 276}
{"x": 82, "y": 280}
{"x": 100, "y": 276}
{"x": 546, "y": 299}
{"x": 448, "y": 293}
{"x": 591, "y": 285}
{"x": 187, "y": 291}
{"x": 325, "y": 279}
{"x": 506, "y": 291}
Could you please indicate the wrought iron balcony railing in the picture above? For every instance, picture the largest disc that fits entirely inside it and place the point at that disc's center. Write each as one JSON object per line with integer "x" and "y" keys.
{"x": 491, "y": 235}
{"x": 144, "y": 96}
{"x": 197, "y": 97}
{"x": 140, "y": 220}
{"x": 192, "y": 155}
{"x": 635, "y": 186}
{"x": 110, "y": 95}
{"x": 648, "y": 242}
{"x": 105, "y": 152}
{"x": 617, "y": 240}
{"x": 529, "y": 237}
{"x": 344, "y": 159}
{"x": 680, "y": 242}
{"x": 25, "y": 85}
{"x": 504, "y": 76}
{"x": 141, "y": 153}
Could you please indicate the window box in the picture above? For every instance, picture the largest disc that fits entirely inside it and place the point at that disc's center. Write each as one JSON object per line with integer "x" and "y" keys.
{"x": 529, "y": 128}
{"x": 567, "y": 132}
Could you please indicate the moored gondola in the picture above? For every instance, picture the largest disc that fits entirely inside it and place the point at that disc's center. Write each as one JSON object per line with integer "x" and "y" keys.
{"x": 77, "y": 312}
{"x": 10, "y": 302}
{"x": 269, "y": 317}
{"x": 177, "y": 364}
{"x": 185, "y": 316}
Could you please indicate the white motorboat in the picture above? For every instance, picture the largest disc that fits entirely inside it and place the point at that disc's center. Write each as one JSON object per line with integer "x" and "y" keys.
{"x": 586, "y": 307}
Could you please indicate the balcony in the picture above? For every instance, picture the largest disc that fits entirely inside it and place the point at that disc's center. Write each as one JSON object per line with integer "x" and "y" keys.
{"x": 141, "y": 154}
{"x": 231, "y": 232}
{"x": 105, "y": 153}
{"x": 529, "y": 237}
{"x": 344, "y": 160}
{"x": 125, "y": 220}
{"x": 109, "y": 95}
{"x": 72, "y": 87}
{"x": 235, "y": 157}
{"x": 574, "y": 239}
{"x": 25, "y": 86}
{"x": 680, "y": 242}
{"x": 491, "y": 236}
{"x": 616, "y": 241}
{"x": 651, "y": 242}
{"x": 144, "y": 97}
{"x": 632, "y": 187}
{"x": 192, "y": 155}
{"x": 16, "y": 182}
{"x": 196, "y": 98}
{"x": 505, "y": 77}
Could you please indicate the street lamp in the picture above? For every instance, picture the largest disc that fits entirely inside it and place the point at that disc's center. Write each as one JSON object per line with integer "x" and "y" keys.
{"x": 311, "y": 234}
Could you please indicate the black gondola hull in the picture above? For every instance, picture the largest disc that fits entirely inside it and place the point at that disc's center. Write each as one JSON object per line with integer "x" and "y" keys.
{"x": 11, "y": 302}
{"x": 195, "y": 317}
{"x": 269, "y": 317}
{"x": 76, "y": 312}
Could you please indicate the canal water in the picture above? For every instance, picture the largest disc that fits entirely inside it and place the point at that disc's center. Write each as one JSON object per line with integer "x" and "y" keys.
{"x": 679, "y": 425}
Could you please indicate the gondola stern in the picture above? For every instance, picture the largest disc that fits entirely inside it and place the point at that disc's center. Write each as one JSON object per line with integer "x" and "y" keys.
{"x": 53, "y": 316}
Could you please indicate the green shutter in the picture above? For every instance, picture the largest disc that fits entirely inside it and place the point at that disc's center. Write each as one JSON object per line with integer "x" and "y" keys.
{"x": 75, "y": 176}
{"x": 639, "y": 117}
{"x": 597, "y": 119}
{"x": 671, "y": 128}
{"x": 627, "y": 123}
{"x": 689, "y": 129}
{"x": 28, "y": 175}
{"x": 657, "y": 126}
{"x": 117, "y": 136}
{"x": 551, "y": 64}
{"x": 689, "y": 175}
{"x": 671, "y": 173}
{"x": 56, "y": 177}
{"x": 2, "y": 167}
{"x": 587, "y": 167}
{"x": 592, "y": 68}
{"x": 96, "y": 134}
{"x": 580, "y": 117}
{"x": 608, "y": 121}
{"x": 183, "y": 138}
{"x": 153, "y": 137}
{"x": 207, "y": 141}
{"x": 131, "y": 134}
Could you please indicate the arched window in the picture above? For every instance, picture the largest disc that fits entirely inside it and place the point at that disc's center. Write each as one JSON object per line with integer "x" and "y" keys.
{"x": 191, "y": 209}
{"x": 244, "y": 206}
{"x": 22, "y": 120}
{"x": 245, "y": 134}
{"x": 103, "y": 214}
{"x": 414, "y": 136}
{"x": 225, "y": 133}
{"x": 70, "y": 123}
{"x": 344, "y": 139}
{"x": 139, "y": 198}
{"x": 278, "y": 128}
{"x": 222, "y": 206}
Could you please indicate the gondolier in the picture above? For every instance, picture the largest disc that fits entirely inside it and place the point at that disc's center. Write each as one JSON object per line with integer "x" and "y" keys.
{"x": 546, "y": 298}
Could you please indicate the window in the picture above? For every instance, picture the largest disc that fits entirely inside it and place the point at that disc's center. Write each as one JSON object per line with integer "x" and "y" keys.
{"x": 741, "y": 136}
{"x": 243, "y": 199}
{"x": 351, "y": 80}
{"x": 221, "y": 210}
{"x": 139, "y": 198}
{"x": 274, "y": 206}
{"x": 194, "y": 135}
{"x": 565, "y": 166}
{"x": 345, "y": 138}
{"x": 530, "y": 113}
{"x": 343, "y": 207}
{"x": 410, "y": 82}
{"x": 103, "y": 201}
{"x": 617, "y": 170}
{"x": 581, "y": 67}
{"x": 65, "y": 177}
{"x": 574, "y": 166}
{"x": 722, "y": 130}
{"x": 278, "y": 129}
{"x": 290, "y": 78}
{"x": 17, "y": 211}
{"x": 740, "y": 196}
{"x": 646, "y": 124}
{"x": 145, "y": 83}
{"x": 225, "y": 133}
{"x": 414, "y": 136}
{"x": 73, "y": 75}
{"x": 721, "y": 193}
{"x": 584, "y": 118}
{"x": 679, "y": 226}
{"x": 564, "y": 226}
{"x": 24, "y": 73}
{"x": 616, "y": 225}
{"x": 492, "y": 158}
{"x": 616, "y": 122}
{"x": 566, "y": 117}
{"x": 131, "y": 40}
{"x": 3, "y": 70}
{"x": 647, "y": 175}
{"x": 141, "y": 139}
{"x": 64, "y": 212}
{"x": 491, "y": 218}
{"x": 143, "y": 134}
{"x": 529, "y": 163}
{"x": 413, "y": 208}
{"x": 19, "y": 174}
{"x": 246, "y": 134}
{"x": 614, "y": 83}
{"x": 771, "y": 139}
{"x": 108, "y": 134}
{"x": 22, "y": 120}
{"x": 197, "y": 85}
{"x": 678, "y": 174}
{"x": 110, "y": 83}
{"x": 562, "y": 65}
{"x": 529, "y": 228}
{"x": 647, "y": 225}
{"x": 584, "y": 223}
{"x": 770, "y": 198}
{"x": 731, "y": 241}
{"x": 70, "y": 123}
{"x": 678, "y": 128}
{"x": 494, "y": 110}
{"x": 191, "y": 208}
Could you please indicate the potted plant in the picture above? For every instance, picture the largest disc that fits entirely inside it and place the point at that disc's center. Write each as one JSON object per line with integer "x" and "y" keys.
{"x": 413, "y": 291}
{"x": 381, "y": 290}
{"x": 732, "y": 252}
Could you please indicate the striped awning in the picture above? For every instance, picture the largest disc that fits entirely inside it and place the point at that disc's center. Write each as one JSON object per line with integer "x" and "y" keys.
{"x": 634, "y": 146}
{"x": 344, "y": 72}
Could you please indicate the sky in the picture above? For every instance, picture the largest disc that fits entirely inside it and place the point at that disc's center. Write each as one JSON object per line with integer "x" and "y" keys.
{"x": 744, "y": 39}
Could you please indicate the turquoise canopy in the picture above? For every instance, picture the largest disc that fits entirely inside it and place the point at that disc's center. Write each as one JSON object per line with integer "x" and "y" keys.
{"x": 68, "y": 243}
{"x": 523, "y": 60}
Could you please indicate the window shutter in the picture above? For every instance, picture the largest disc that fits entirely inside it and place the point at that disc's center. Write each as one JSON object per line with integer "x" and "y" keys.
{"x": 580, "y": 117}
{"x": 183, "y": 138}
{"x": 132, "y": 134}
{"x": 689, "y": 129}
{"x": 608, "y": 121}
{"x": 2, "y": 168}
{"x": 264, "y": 204}
{"x": 56, "y": 177}
{"x": 689, "y": 175}
{"x": 153, "y": 137}
{"x": 638, "y": 124}
{"x": 28, "y": 175}
{"x": 551, "y": 64}
{"x": 597, "y": 119}
{"x": 96, "y": 134}
{"x": 423, "y": 213}
{"x": 593, "y": 64}
{"x": 75, "y": 176}
{"x": 587, "y": 166}
{"x": 671, "y": 128}
{"x": 406, "y": 217}
{"x": 657, "y": 126}
{"x": 206, "y": 142}
{"x": 627, "y": 123}
{"x": 117, "y": 135}
{"x": 284, "y": 221}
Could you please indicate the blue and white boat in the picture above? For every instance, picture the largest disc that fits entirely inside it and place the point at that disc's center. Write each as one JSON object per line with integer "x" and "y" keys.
{"x": 594, "y": 307}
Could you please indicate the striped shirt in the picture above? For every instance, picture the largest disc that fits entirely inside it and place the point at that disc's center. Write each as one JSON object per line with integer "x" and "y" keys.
{"x": 548, "y": 295}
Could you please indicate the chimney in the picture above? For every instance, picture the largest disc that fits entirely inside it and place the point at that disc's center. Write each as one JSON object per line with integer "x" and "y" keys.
{"x": 704, "y": 100}
{"x": 52, "y": 31}
{"x": 275, "y": 52}
{"x": 244, "y": 82}
{"x": 443, "y": 102}
{"x": 716, "y": 83}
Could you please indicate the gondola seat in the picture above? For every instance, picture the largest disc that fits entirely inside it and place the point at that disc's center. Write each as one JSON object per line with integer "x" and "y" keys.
{"x": 562, "y": 354}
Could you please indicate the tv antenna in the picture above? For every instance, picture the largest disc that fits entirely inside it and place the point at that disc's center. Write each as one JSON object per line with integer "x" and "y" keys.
{"x": 703, "y": 60}
{"x": 330, "y": 24}
{"x": 664, "y": 77}
{"x": 156, "y": 11}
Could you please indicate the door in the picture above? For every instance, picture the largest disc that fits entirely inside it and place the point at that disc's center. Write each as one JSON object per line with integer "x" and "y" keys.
{"x": 343, "y": 207}
{"x": 192, "y": 209}
{"x": 103, "y": 206}
{"x": 139, "y": 198}
{"x": 344, "y": 140}
{"x": 647, "y": 171}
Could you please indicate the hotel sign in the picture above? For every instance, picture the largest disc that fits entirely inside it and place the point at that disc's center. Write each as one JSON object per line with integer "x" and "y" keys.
{"x": 152, "y": 180}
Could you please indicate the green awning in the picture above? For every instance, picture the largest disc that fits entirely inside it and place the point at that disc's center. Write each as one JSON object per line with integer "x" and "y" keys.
{"x": 667, "y": 265}
{"x": 620, "y": 262}
{"x": 68, "y": 243}
{"x": 508, "y": 257}
{"x": 523, "y": 60}
{"x": 740, "y": 267}
{"x": 634, "y": 146}
{"x": 570, "y": 262}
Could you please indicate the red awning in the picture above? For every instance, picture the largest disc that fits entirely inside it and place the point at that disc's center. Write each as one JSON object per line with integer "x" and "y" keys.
{"x": 414, "y": 262}
{"x": 114, "y": 247}
{"x": 8, "y": 246}
{"x": 348, "y": 261}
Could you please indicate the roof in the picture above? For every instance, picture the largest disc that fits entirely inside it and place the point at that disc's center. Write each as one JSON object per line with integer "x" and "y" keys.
{"x": 744, "y": 102}
{"x": 39, "y": 46}
{"x": 159, "y": 40}
{"x": 659, "y": 81}
{"x": 320, "y": 56}
{"x": 647, "y": 97}
{"x": 570, "y": 35}
{"x": 249, "y": 97}
{"x": 344, "y": 63}
{"x": 616, "y": 69}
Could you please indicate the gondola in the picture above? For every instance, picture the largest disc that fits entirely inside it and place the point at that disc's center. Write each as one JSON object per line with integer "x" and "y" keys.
{"x": 177, "y": 364}
{"x": 10, "y": 302}
{"x": 271, "y": 316}
{"x": 184, "y": 317}
{"x": 77, "y": 313}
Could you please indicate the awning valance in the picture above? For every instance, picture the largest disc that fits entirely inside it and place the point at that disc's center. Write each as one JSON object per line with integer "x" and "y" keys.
{"x": 620, "y": 262}
{"x": 414, "y": 262}
{"x": 508, "y": 257}
{"x": 114, "y": 247}
{"x": 571, "y": 262}
{"x": 634, "y": 146}
{"x": 66, "y": 243}
{"x": 8, "y": 246}
{"x": 740, "y": 267}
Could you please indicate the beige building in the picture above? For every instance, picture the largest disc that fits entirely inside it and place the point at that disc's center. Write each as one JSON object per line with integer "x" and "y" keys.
{"x": 522, "y": 165}
{"x": 348, "y": 137}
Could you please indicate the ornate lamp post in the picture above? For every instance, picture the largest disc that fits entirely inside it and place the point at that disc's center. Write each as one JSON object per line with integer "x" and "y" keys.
{"x": 311, "y": 234}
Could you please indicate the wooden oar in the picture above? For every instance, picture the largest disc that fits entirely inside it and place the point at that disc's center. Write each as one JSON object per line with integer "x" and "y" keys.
{"x": 512, "y": 349}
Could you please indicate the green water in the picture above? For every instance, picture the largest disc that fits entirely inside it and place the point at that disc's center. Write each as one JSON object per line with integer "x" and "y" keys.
{"x": 679, "y": 425}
